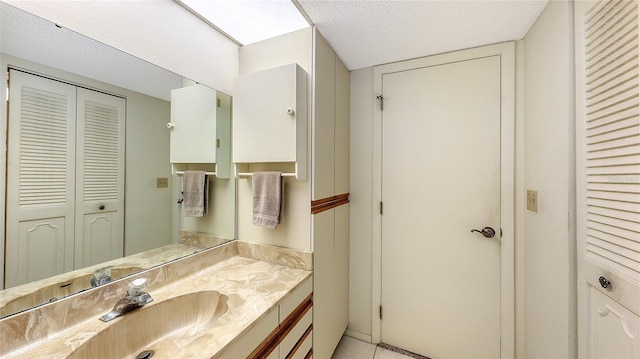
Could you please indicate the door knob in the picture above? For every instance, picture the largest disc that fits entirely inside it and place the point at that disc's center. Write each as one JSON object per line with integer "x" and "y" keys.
{"x": 488, "y": 232}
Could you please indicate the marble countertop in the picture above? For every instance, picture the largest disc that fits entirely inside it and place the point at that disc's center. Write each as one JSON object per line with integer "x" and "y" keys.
{"x": 253, "y": 287}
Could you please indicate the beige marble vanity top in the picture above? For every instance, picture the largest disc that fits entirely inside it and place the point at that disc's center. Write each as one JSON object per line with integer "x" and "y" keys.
{"x": 253, "y": 287}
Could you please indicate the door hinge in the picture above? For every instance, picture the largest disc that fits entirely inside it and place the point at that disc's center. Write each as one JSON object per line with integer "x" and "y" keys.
{"x": 218, "y": 103}
{"x": 380, "y": 207}
{"x": 218, "y": 143}
{"x": 381, "y": 98}
{"x": 380, "y": 312}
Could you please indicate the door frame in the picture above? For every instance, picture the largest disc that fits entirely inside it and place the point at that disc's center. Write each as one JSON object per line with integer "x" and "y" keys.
{"x": 506, "y": 52}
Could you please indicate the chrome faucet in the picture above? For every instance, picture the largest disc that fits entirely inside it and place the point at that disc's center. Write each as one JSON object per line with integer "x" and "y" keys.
{"x": 134, "y": 299}
{"x": 101, "y": 276}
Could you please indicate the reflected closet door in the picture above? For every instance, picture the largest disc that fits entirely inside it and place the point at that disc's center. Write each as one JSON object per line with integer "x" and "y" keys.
{"x": 99, "y": 178}
{"x": 40, "y": 162}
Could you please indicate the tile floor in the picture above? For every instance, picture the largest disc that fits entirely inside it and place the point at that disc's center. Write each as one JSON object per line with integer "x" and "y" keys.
{"x": 350, "y": 348}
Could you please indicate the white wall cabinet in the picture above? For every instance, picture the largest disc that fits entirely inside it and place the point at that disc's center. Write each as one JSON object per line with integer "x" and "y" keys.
{"x": 330, "y": 180}
{"x": 270, "y": 117}
{"x": 199, "y": 134}
{"x": 316, "y": 214}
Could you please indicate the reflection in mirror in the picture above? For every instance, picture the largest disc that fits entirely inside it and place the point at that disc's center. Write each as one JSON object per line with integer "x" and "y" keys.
{"x": 89, "y": 198}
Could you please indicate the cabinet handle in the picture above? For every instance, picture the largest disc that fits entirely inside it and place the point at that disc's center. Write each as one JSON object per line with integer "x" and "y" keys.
{"x": 291, "y": 111}
{"x": 171, "y": 125}
{"x": 604, "y": 282}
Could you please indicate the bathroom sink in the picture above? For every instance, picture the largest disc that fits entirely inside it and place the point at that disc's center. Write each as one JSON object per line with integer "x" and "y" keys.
{"x": 55, "y": 291}
{"x": 175, "y": 321}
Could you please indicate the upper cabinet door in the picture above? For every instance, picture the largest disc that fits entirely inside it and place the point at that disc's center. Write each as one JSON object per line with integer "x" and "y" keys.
{"x": 193, "y": 125}
{"x": 270, "y": 115}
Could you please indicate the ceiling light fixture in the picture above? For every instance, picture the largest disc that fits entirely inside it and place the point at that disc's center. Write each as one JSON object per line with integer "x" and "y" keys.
{"x": 249, "y": 21}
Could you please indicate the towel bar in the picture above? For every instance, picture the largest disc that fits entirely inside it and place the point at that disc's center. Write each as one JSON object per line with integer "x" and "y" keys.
{"x": 249, "y": 174}
{"x": 181, "y": 173}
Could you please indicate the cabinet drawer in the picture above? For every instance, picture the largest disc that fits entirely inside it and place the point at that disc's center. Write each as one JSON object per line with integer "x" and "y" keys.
{"x": 295, "y": 298}
{"x": 243, "y": 346}
{"x": 303, "y": 350}
{"x": 289, "y": 342}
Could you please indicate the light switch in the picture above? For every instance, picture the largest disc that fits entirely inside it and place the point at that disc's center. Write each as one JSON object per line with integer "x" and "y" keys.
{"x": 162, "y": 182}
{"x": 532, "y": 201}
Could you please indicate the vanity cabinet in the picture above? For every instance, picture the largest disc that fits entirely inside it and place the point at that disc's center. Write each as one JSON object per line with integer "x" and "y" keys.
{"x": 200, "y": 129}
{"x": 284, "y": 333}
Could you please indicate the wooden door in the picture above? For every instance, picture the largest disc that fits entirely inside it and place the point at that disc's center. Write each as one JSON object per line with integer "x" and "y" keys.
{"x": 441, "y": 287}
{"x": 40, "y": 162}
{"x": 99, "y": 178}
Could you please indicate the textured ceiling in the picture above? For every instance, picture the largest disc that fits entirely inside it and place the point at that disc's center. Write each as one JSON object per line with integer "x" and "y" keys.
{"x": 29, "y": 37}
{"x": 366, "y": 33}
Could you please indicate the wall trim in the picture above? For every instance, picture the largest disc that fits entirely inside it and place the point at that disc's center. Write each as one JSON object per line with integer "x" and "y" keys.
{"x": 325, "y": 204}
{"x": 357, "y": 335}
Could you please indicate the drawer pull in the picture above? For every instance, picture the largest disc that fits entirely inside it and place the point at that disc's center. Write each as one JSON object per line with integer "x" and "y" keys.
{"x": 604, "y": 282}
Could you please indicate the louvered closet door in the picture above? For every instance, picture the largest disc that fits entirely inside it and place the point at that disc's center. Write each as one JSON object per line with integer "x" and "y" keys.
{"x": 40, "y": 160}
{"x": 100, "y": 178}
{"x": 608, "y": 140}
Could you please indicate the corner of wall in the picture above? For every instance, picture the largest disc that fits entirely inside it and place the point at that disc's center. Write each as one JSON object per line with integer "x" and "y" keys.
{"x": 547, "y": 163}
{"x": 520, "y": 334}
{"x": 361, "y": 201}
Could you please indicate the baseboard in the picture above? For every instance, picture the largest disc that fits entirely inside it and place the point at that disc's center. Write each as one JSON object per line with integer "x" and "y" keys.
{"x": 357, "y": 335}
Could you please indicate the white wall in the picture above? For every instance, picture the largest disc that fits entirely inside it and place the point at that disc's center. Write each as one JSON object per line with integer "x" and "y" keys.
{"x": 147, "y": 157}
{"x": 161, "y": 32}
{"x": 549, "y": 166}
{"x": 361, "y": 201}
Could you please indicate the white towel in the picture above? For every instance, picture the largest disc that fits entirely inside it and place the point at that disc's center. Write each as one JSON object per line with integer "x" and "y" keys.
{"x": 195, "y": 188}
{"x": 267, "y": 198}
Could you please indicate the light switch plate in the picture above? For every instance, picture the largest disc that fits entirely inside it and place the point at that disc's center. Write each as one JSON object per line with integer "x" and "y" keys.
{"x": 532, "y": 200}
{"x": 162, "y": 182}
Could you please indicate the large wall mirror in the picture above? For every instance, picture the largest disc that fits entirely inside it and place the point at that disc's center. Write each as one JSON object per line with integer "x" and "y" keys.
{"x": 45, "y": 262}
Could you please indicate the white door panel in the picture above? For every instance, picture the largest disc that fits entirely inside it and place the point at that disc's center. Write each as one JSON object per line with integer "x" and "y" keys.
{"x": 608, "y": 185}
{"x": 101, "y": 237}
{"x": 40, "y": 160}
{"x": 440, "y": 179}
{"x": 65, "y": 161}
{"x": 614, "y": 329}
{"x": 99, "y": 178}
{"x": 42, "y": 248}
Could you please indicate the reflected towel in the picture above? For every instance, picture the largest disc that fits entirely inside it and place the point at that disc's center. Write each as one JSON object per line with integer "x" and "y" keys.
{"x": 195, "y": 188}
{"x": 267, "y": 198}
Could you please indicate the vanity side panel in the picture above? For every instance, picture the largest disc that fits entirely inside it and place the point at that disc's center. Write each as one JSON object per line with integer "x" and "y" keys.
{"x": 294, "y": 229}
{"x": 324, "y": 314}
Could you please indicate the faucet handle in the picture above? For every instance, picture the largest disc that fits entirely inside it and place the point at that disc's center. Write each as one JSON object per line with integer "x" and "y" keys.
{"x": 136, "y": 286}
